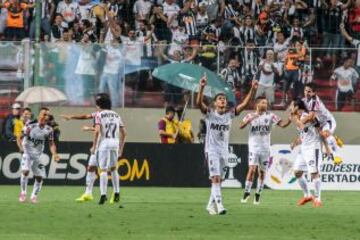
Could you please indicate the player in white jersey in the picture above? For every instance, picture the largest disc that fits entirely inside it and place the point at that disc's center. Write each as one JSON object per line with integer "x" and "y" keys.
{"x": 34, "y": 136}
{"x": 327, "y": 121}
{"x": 92, "y": 164}
{"x": 109, "y": 140}
{"x": 218, "y": 124}
{"x": 260, "y": 126}
{"x": 310, "y": 157}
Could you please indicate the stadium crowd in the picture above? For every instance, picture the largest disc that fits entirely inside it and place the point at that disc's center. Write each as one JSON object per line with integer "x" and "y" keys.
{"x": 242, "y": 40}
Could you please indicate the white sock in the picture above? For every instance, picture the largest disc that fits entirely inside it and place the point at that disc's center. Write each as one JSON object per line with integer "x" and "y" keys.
{"x": 304, "y": 186}
{"x": 317, "y": 185}
{"x": 37, "y": 188}
{"x": 260, "y": 186}
{"x": 115, "y": 181}
{"x": 331, "y": 141}
{"x": 103, "y": 183}
{"x": 90, "y": 179}
{"x": 211, "y": 199}
{"x": 216, "y": 192}
{"x": 248, "y": 185}
{"x": 23, "y": 183}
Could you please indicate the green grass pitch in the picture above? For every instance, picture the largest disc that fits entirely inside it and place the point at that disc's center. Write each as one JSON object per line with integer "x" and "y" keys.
{"x": 176, "y": 213}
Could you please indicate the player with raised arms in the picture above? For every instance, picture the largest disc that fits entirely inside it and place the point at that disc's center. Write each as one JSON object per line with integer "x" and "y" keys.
{"x": 260, "y": 122}
{"x": 310, "y": 155}
{"x": 218, "y": 123}
{"x": 33, "y": 141}
{"x": 108, "y": 143}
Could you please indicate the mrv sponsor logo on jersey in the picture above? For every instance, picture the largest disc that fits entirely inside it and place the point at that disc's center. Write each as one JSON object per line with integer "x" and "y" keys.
{"x": 334, "y": 177}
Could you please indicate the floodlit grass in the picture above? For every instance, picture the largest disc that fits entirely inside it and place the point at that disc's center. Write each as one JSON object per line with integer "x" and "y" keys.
{"x": 176, "y": 213}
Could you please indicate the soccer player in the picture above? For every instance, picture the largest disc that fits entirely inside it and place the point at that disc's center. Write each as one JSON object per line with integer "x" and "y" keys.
{"x": 218, "y": 123}
{"x": 326, "y": 120}
{"x": 109, "y": 140}
{"x": 92, "y": 164}
{"x": 260, "y": 122}
{"x": 310, "y": 156}
{"x": 34, "y": 137}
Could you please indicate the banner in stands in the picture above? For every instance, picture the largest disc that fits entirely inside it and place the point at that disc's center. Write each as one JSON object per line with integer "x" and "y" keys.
{"x": 143, "y": 164}
{"x": 342, "y": 177}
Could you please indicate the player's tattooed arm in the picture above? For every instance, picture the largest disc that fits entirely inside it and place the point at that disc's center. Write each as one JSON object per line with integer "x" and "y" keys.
{"x": 200, "y": 97}
{"x": 239, "y": 108}
{"x": 122, "y": 140}
{"x": 76, "y": 117}
{"x": 53, "y": 150}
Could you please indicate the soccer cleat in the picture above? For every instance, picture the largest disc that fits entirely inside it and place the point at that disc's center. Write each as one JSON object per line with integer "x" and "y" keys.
{"x": 34, "y": 199}
{"x": 257, "y": 199}
{"x": 211, "y": 209}
{"x": 103, "y": 199}
{"x": 22, "y": 197}
{"x": 317, "y": 203}
{"x": 245, "y": 197}
{"x": 339, "y": 141}
{"x": 115, "y": 198}
{"x": 84, "y": 198}
{"x": 222, "y": 210}
{"x": 337, "y": 160}
{"x": 305, "y": 200}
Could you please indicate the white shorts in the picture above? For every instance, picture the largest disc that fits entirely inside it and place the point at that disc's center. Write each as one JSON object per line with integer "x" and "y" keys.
{"x": 107, "y": 158}
{"x": 33, "y": 163}
{"x": 308, "y": 160}
{"x": 217, "y": 163}
{"x": 329, "y": 125}
{"x": 258, "y": 158}
{"x": 93, "y": 161}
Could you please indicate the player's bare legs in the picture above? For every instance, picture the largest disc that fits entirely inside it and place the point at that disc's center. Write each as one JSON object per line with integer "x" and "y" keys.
{"x": 90, "y": 179}
{"x": 304, "y": 187}
{"x": 315, "y": 177}
{"x": 260, "y": 186}
{"x": 248, "y": 184}
{"x": 216, "y": 197}
{"x": 37, "y": 188}
{"x": 333, "y": 145}
{"x": 115, "y": 184}
{"x": 24, "y": 178}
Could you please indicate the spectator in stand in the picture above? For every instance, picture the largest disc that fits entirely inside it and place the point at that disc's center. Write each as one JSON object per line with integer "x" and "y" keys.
{"x": 14, "y": 118}
{"x": 214, "y": 8}
{"x": 202, "y": 18}
{"x": 295, "y": 55}
{"x": 47, "y": 14}
{"x": 231, "y": 75}
{"x": 171, "y": 11}
{"x": 334, "y": 15}
{"x": 111, "y": 77}
{"x": 167, "y": 127}
{"x": 347, "y": 79}
{"x": 249, "y": 62}
{"x": 159, "y": 20}
{"x": 70, "y": 11}
{"x": 247, "y": 31}
{"x": 57, "y": 29}
{"x": 15, "y": 25}
{"x": 142, "y": 10}
{"x": 266, "y": 77}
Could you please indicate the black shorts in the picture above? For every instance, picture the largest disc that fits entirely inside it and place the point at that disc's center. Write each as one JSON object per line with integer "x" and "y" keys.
{"x": 12, "y": 33}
